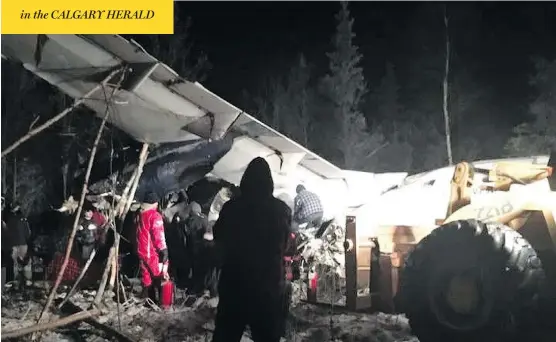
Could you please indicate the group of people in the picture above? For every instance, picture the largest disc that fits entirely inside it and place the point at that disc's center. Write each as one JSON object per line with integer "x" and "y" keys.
{"x": 19, "y": 242}
{"x": 91, "y": 236}
{"x": 193, "y": 244}
{"x": 180, "y": 247}
{"x": 248, "y": 244}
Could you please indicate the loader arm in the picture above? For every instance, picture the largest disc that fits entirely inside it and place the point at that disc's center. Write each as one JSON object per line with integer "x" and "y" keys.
{"x": 514, "y": 208}
{"x": 505, "y": 174}
{"x": 460, "y": 187}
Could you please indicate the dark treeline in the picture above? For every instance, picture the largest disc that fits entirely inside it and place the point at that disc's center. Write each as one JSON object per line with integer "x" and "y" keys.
{"x": 398, "y": 115}
{"x": 384, "y": 115}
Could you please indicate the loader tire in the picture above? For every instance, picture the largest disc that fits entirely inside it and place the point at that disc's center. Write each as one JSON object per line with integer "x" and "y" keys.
{"x": 496, "y": 270}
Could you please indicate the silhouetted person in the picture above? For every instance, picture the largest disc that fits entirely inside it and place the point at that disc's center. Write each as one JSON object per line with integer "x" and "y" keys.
{"x": 177, "y": 240}
{"x": 250, "y": 237}
{"x": 197, "y": 224}
{"x": 18, "y": 238}
{"x": 307, "y": 208}
{"x": 375, "y": 266}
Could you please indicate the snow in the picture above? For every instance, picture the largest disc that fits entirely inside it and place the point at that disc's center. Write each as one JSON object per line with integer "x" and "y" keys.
{"x": 195, "y": 323}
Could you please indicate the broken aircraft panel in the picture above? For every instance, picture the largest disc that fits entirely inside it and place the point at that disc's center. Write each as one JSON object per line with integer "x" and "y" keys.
{"x": 156, "y": 105}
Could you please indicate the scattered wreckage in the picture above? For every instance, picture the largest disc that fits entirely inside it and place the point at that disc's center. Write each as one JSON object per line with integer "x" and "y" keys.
{"x": 368, "y": 256}
{"x": 186, "y": 130}
{"x": 468, "y": 232}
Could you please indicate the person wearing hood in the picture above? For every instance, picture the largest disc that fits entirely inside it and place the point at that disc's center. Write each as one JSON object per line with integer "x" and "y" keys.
{"x": 151, "y": 245}
{"x": 178, "y": 240}
{"x": 250, "y": 237}
{"x": 197, "y": 225}
{"x": 92, "y": 214}
{"x": 88, "y": 233}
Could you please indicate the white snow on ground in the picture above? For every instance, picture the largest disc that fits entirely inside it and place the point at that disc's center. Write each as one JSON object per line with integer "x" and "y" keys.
{"x": 195, "y": 323}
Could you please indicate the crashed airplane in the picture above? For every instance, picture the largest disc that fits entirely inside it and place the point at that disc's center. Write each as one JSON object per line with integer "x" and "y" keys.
{"x": 198, "y": 133}
{"x": 443, "y": 210}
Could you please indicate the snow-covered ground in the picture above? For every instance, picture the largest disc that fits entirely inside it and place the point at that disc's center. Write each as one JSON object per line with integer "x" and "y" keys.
{"x": 193, "y": 322}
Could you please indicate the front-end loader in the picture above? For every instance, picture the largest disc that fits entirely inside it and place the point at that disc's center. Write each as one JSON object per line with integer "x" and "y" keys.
{"x": 488, "y": 271}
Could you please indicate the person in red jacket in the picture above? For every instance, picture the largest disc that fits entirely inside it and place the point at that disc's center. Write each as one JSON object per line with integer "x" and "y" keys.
{"x": 151, "y": 245}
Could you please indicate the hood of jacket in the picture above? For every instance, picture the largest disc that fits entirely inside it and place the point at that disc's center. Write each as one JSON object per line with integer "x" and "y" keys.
{"x": 148, "y": 206}
{"x": 257, "y": 180}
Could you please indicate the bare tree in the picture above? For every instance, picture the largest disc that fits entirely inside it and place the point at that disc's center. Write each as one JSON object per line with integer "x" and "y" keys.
{"x": 445, "y": 91}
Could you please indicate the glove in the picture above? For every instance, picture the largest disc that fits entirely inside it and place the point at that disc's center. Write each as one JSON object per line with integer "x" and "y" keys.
{"x": 163, "y": 270}
{"x": 163, "y": 256}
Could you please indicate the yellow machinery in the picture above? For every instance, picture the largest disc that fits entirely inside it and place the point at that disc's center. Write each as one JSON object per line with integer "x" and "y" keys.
{"x": 477, "y": 273}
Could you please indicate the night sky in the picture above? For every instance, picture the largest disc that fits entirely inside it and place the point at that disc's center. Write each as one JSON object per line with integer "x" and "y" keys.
{"x": 245, "y": 41}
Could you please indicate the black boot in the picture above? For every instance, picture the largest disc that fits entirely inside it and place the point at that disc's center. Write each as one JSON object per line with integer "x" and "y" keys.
{"x": 285, "y": 324}
{"x": 145, "y": 292}
{"x": 152, "y": 294}
{"x": 148, "y": 293}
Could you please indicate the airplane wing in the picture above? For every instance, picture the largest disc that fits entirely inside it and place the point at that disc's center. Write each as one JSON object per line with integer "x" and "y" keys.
{"x": 156, "y": 105}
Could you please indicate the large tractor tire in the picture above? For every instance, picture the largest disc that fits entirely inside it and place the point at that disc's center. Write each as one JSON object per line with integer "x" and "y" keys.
{"x": 470, "y": 281}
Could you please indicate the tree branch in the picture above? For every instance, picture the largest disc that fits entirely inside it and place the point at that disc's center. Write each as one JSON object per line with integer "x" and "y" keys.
{"x": 142, "y": 159}
{"x": 78, "y": 280}
{"x": 104, "y": 279}
{"x": 375, "y": 151}
{"x": 59, "y": 116}
{"x": 82, "y": 199}
{"x": 445, "y": 91}
{"x": 80, "y": 316}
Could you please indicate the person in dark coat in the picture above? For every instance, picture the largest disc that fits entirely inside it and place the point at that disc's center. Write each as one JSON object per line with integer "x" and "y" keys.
{"x": 87, "y": 232}
{"x": 178, "y": 240}
{"x": 18, "y": 238}
{"x": 197, "y": 224}
{"x": 250, "y": 236}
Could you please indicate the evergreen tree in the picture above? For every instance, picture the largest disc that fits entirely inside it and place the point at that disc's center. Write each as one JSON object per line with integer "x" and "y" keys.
{"x": 285, "y": 103}
{"x": 539, "y": 135}
{"x": 345, "y": 87}
{"x": 385, "y": 103}
{"x": 300, "y": 98}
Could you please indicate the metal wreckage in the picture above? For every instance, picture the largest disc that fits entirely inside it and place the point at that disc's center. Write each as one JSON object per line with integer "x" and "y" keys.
{"x": 466, "y": 252}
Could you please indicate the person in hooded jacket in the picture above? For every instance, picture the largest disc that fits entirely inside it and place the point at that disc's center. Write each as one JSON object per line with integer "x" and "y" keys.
{"x": 85, "y": 238}
{"x": 151, "y": 245}
{"x": 250, "y": 236}
{"x": 178, "y": 241}
{"x": 92, "y": 214}
{"x": 197, "y": 225}
{"x": 88, "y": 236}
